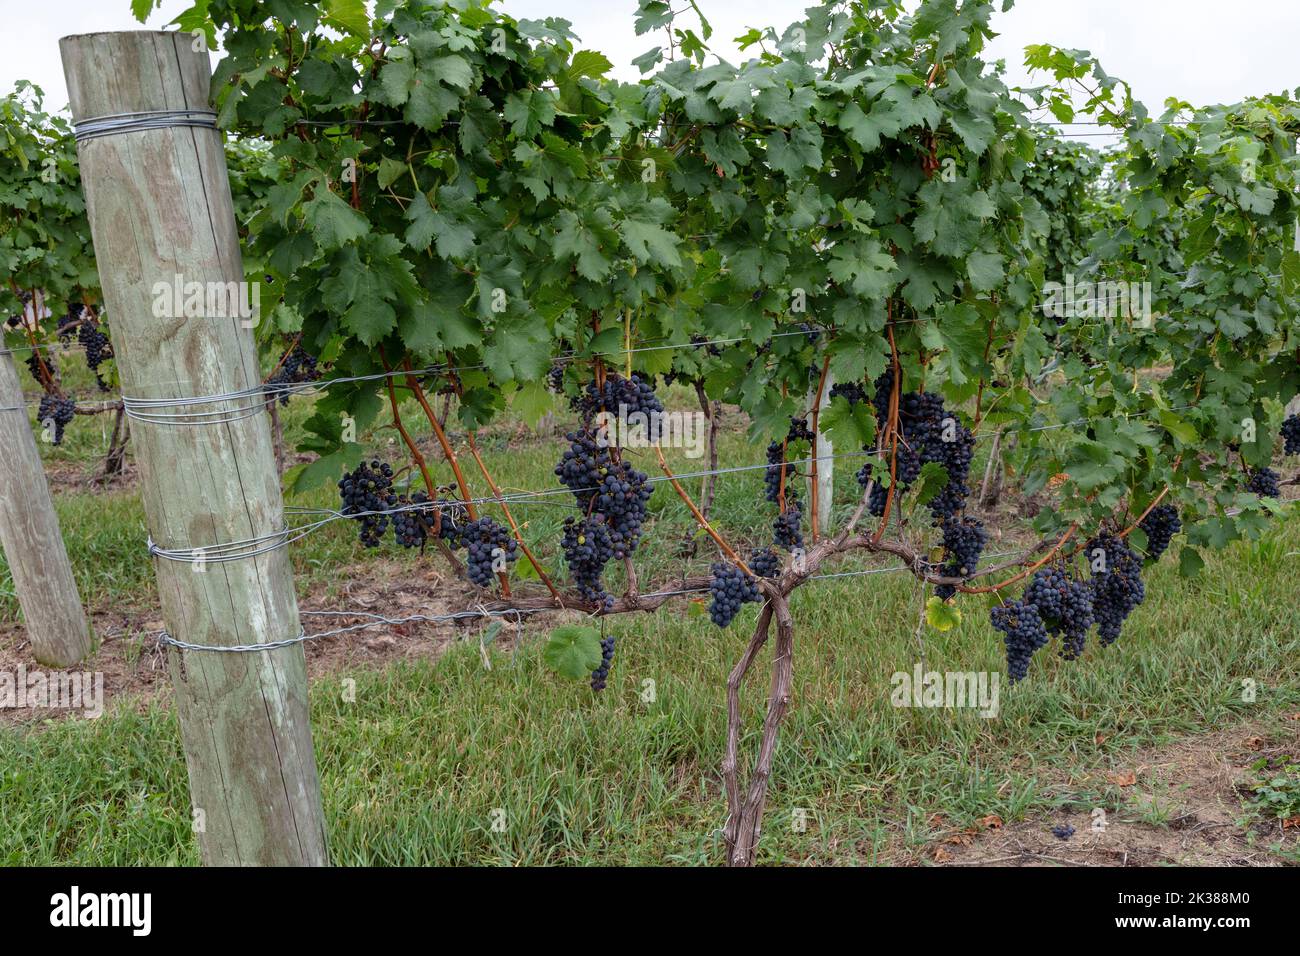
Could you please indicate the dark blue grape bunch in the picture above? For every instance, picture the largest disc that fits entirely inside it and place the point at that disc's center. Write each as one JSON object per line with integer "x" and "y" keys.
{"x": 69, "y": 323}
{"x": 34, "y": 363}
{"x": 608, "y": 488}
{"x": 56, "y": 412}
{"x": 601, "y": 674}
{"x": 963, "y": 542}
{"x": 555, "y": 377}
{"x": 764, "y": 562}
{"x": 772, "y": 474}
{"x": 369, "y": 489}
{"x": 298, "y": 367}
{"x": 776, "y": 452}
{"x": 620, "y": 395}
{"x": 731, "y": 589}
{"x": 98, "y": 350}
{"x": 955, "y": 456}
{"x": 1063, "y": 831}
{"x": 415, "y": 519}
{"x": 853, "y": 392}
{"x": 1160, "y": 525}
{"x": 1065, "y": 606}
{"x": 1022, "y": 632}
{"x": 927, "y": 433}
{"x": 786, "y": 528}
{"x": 412, "y": 522}
{"x": 1117, "y": 587}
{"x": 587, "y": 549}
{"x": 485, "y": 541}
{"x": 1264, "y": 482}
{"x": 1291, "y": 435}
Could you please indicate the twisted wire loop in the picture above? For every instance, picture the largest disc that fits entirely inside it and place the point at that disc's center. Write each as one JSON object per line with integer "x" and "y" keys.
{"x": 183, "y": 411}
{"x": 230, "y": 551}
{"x": 117, "y": 123}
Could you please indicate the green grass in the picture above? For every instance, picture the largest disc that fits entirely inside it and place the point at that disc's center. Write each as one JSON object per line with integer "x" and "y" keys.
{"x": 413, "y": 770}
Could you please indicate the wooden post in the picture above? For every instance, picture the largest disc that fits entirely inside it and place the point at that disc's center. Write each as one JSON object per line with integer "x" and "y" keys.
{"x": 29, "y": 531}
{"x": 160, "y": 207}
{"x": 824, "y": 451}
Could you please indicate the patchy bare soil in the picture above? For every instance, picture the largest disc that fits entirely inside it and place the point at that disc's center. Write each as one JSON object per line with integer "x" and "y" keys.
{"x": 1180, "y": 805}
{"x": 134, "y": 664}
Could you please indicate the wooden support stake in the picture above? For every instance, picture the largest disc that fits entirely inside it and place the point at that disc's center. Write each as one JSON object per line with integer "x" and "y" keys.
{"x": 29, "y": 531}
{"x": 159, "y": 206}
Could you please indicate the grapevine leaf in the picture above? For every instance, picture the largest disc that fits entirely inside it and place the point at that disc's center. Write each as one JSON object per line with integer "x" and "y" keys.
{"x": 941, "y": 615}
{"x": 573, "y": 651}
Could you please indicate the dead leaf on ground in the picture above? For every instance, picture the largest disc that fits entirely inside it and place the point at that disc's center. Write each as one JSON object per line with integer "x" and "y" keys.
{"x": 941, "y": 855}
{"x": 1291, "y": 823}
{"x": 1122, "y": 778}
{"x": 1254, "y": 743}
{"x": 991, "y": 822}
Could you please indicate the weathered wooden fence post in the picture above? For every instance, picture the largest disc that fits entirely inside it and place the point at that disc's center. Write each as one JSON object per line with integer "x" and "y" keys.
{"x": 29, "y": 531}
{"x": 154, "y": 173}
{"x": 824, "y": 451}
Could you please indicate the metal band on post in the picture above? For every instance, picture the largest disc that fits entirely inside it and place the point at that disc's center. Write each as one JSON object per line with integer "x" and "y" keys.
{"x": 135, "y": 122}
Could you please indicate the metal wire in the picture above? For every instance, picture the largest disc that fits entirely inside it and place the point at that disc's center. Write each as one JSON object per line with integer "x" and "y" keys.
{"x": 117, "y": 123}
{"x": 379, "y": 620}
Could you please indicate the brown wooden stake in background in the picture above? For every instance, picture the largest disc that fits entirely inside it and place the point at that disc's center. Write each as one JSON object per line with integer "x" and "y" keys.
{"x": 160, "y": 207}
{"x": 29, "y": 531}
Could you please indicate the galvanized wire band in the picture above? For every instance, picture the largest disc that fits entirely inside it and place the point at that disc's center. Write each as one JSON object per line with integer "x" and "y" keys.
{"x": 230, "y": 551}
{"x": 180, "y": 411}
{"x": 117, "y": 123}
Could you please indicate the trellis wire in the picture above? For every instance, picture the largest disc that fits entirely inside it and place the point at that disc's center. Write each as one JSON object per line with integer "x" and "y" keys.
{"x": 379, "y": 620}
{"x": 258, "y": 546}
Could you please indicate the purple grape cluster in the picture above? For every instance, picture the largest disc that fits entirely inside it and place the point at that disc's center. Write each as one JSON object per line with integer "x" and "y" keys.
{"x": 620, "y": 396}
{"x": 613, "y": 496}
{"x": 963, "y": 542}
{"x": 98, "y": 350}
{"x": 484, "y": 542}
{"x": 928, "y": 433}
{"x": 799, "y": 431}
{"x": 1065, "y": 606}
{"x": 1160, "y": 525}
{"x": 785, "y": 529}
{"x": 1117, "y": 587}
{"x": 297, "y": 368}
{"x": 56, "y": 412}
{"x": 731, "y": 589}
{"x": 69, "y": 323}
{"x": 34, "y": 363}
{"x": 1265, "y": 483}
{"x": 601, "y": 674}
{"x": 364, "y": 491}
{"x": 853, "y": 392}
{"x": 764, "y": 562}
{"x": 1291, "y": 435}
{"x": 587, "y": 549}
{"x": 1022, "y": 632}
{"x": 416, "y": 517}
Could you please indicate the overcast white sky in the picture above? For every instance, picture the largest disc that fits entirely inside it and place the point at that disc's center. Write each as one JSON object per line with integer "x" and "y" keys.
{"x": 1204, "y": 51}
